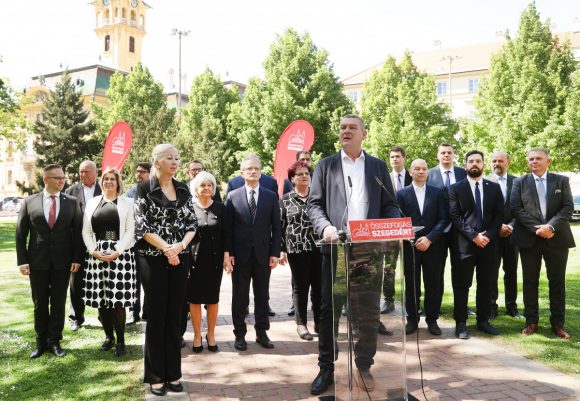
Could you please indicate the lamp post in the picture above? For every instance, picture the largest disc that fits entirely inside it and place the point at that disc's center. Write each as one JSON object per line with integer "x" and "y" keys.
{"x": 179, "y": 34}
{"x": 450, "y": 59}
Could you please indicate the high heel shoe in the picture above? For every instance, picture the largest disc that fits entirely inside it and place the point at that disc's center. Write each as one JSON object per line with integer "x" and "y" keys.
{"x": 197, "y": 350}
{"x": 160, "y": 391}
{"x": 212, "y": 348}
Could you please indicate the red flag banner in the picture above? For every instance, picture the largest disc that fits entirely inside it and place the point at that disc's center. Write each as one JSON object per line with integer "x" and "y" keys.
{"x": 381, "y": 229}
{"x": 117, "y": 146}
{"x": 299, "y": 135}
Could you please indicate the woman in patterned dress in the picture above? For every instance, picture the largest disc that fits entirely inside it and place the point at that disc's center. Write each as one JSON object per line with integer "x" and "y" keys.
{"x": 110, "y": 282}
{"x": 165, "y": 224}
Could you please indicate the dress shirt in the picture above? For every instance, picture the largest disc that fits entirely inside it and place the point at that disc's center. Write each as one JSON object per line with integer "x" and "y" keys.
{"x": 544, "y": 181}
{"x": 502, "y": 181}
{"x": 358, "y": 195}
{"x": 396, "y": 178}
{"x": 89, "y": 192}
{"x": 47, "y": 202}
{"x": 472, "y": 182}
{"x": 420, "y": 194}
{"x": 256, "y": 193}
{"x": 444, "y": 176}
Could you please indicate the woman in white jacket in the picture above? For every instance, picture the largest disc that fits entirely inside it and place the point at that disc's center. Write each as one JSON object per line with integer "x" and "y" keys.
{"x": 110, "y": 281}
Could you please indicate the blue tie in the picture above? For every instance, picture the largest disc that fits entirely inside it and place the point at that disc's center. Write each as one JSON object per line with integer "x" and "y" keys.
{"x": 253, "y": 204}
{"x": 448, "y": 179}
{"x": 478, "y": 210}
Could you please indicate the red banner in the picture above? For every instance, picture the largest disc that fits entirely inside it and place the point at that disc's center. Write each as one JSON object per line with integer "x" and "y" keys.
{"x": 117, "y": 146}
{"x": 299, "y": 135}
{"x": 381, "y": 229}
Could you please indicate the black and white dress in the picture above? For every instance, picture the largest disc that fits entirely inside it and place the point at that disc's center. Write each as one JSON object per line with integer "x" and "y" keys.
{"x": 109, "y": 284}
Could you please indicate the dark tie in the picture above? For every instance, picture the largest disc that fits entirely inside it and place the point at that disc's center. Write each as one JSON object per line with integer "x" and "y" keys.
{"x": 478, "y": 210}
{"x": 448, "y": 179}
{"x": 52, "y": 212}
{"x": 399, "y": 186}
{"x": 252, "y": 204}
{"x": 541, "y": 195}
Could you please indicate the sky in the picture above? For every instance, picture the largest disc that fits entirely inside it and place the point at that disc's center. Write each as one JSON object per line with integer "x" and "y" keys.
{"x": 233, "y": 37}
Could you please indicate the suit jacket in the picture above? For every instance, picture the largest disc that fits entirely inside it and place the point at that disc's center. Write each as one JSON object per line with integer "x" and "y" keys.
{"x": 125, "y": 207}
{"x": 436, "y": 180}
{"x": 526, "y": 210}
{"x": 434, "y": 217}
{"x": 407, "y": 180}
{"x": 327, "y": 200}
{"x": 462, "y": 213}
{"x": 508, "y": 217}
{"x": 263, "y": 234}
{"x": 265, "y": 182}
{"x": 39, "y": 246}
{"x": 76, "y": 190}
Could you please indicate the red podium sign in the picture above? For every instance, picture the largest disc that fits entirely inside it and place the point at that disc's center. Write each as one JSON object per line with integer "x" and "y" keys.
{"x": 117, "y": 146}
{"x": 381, "y": 229}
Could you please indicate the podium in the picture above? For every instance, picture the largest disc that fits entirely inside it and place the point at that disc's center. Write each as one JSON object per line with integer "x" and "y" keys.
{"x": 369, "y": 365}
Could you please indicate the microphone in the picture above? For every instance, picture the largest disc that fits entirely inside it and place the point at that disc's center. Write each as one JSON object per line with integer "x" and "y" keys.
{"x": 391, "y": 197}
{"x": 342, "y": 233}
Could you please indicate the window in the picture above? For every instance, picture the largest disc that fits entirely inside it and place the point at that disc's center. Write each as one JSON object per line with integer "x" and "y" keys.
{"x": 133, "y": 16}
{"x": 473, "y": 85}
{"x": 142, "y": 21}
{"x": 9, "y": 177}
{"x": 354, "y": 96}
{"x": 123, "y": 13}
{"x": 107, "y": 43}
{"x": 441, "y": 88}
{"x": 10, "y": 149}
{"x": 131, "y": 44}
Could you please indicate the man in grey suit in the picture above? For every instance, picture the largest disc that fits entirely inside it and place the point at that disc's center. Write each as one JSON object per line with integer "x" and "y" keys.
{"x": 48, "y": 236}
{"x": 344, "y": 188}
{"x": 85, "y": 190}
{"x": 542, "y": 204}
{"x": 507, "y": 252}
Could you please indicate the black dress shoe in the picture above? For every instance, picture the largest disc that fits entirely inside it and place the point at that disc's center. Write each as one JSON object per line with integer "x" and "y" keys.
{"x": 487, "y": 328}
{"x": 383, "y": 330}
{"x": 470, "y": 312}
{"x": 263, "y": 340}
{"x": 291, "y": 311}
{"x": 37, "y": 352}
{"x": 57, "y": 350}
{"x": 411, "y": 327}
{"x": 108, "y": 344}
{"x": 514, "y": 313}
{"x": 324, "y": 379}
{"x": 241, "y": 344}
{"x": 161, "y": 391}
{"x": 176, "y": 388}
{"x": 387, "y": 307}
{"x": 461, "y": 331}
{"x": 493, "y": 313}
{"x": 120, "y": 349}
{"x": 434, "y": 329}
{"x": 271, "y": 312}
{"x": 211, "y": 348}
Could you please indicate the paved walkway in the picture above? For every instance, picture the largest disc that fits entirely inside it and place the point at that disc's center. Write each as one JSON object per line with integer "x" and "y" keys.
{"x": 453, "y": 369}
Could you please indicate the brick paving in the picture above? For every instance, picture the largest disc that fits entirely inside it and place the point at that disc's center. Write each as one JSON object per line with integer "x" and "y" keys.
{"x": 453, "y": 369}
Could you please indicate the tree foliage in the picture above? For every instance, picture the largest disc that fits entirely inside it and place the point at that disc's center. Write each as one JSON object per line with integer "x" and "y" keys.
{"x": 204, "y": 131}
{"x": 64, "y": 134}
{"x": 400, "y": 108}
{"x": 299, "y": 83}
{"x": 528, "y": 98}
{"x": 13, "y": 124}
{"x": 140, "y": 101}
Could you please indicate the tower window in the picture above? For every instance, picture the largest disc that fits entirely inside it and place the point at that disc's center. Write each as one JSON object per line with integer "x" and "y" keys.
{"x": 142, "y": 21}
{"x": 131, "y": 44}
{"x": 107, "y": 43}
{"x": 123, "y": 13}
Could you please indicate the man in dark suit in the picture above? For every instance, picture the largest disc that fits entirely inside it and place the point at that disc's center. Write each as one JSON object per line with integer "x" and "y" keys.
{"x": 48, "y": 236}
{"x": 400, "y": 178}
{"x": 542, "y": 204}
{"x": 253, "y": 247}
{"x": 425, "y": 205}
{"x": 443, "y": 176}
{"x": 85, "y": 190}
{"x": 344, "y": 188}
{"x": 476, "y": 211}
{"x": 507, "y": 252}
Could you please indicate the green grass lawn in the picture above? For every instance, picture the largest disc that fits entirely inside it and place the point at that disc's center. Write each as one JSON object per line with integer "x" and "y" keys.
{"x": 85, "y": 373}
{"x": 544, "y": 347}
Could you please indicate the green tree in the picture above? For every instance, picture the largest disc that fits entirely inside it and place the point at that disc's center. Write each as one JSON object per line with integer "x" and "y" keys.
{"x": 400, "y": 108}
{"x": 522, "y": 102}
{"x": 204, "y": 128}
{"x": 299, "y": 83}
{"x": 13, "y": 124}
{"x": 141, "y": 102}
{"x": 64, "y": 134}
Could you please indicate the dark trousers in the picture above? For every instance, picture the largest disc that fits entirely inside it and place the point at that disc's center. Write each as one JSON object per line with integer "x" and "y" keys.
{"x": 507, "y": 256}
{"x": 447, "y": 244}
{"x": 136, "y": 308}
{"x": 306, "y": 273}
{"x": 49, "y": 289}
{"x": 389, "y": 275}
{"x": 77, "y": 305}
{"x": 165, "y": 287}
{"x": 555, "y": 260}
{"x": 482, "y": 261}
{"x": 328, "y": 315}
{"x": 429, "y": 262}
{"x": 259, "y": 275}
{"x": 113, "y": 321}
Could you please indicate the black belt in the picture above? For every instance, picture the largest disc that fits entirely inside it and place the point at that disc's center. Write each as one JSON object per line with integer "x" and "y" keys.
{"x": 107, "y": 235}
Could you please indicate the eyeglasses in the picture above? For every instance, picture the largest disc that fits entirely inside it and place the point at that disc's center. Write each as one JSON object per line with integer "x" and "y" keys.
{"x": 252, "y": 169}
{"x": 142, "y": 172}
{"x": 304, "y": 174}
{"x": 58, "y": 178}
{"x": 195, "y": 170}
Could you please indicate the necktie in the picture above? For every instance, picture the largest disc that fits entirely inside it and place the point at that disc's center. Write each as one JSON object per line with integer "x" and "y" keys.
{"x": 503, "y": 186}
{"x": 399, "y": 186}
{"x": 541, "y": 195}
{"x": 447, "y": 179}
{"x": 52, "y": 212}
{"x": 478, "y": 209}
{"x": 252, "y": 204}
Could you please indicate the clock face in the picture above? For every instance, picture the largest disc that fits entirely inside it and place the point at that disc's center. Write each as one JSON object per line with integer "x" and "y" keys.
{"x": 106, "y": 2}
{"x": 134, "y": 3}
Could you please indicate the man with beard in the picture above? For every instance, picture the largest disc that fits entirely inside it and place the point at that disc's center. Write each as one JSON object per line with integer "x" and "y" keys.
{"x": 476, "y": 210}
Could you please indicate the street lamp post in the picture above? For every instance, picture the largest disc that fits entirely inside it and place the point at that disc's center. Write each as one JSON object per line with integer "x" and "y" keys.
{"x": 179, "y": 34}
{"x": 450, "y": 59}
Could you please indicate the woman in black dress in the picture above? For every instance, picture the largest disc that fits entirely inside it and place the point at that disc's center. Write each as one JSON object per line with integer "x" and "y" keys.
{"x": 110, "y": 281}
{"x": 165, "y": 223}
{"x": 207, "y": 252}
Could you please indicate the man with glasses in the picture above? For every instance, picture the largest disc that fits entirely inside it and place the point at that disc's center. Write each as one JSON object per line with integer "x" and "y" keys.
{"x": 194, "y": 167}
{"x": 48, "y": 249}
{"x": 141, "y": 174}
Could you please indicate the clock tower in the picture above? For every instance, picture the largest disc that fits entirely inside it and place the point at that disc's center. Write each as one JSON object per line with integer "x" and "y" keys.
{"x": 120, "y": 27}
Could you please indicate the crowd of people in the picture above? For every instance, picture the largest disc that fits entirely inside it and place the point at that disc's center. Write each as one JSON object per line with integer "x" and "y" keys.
{"x": 176, "y": 240}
